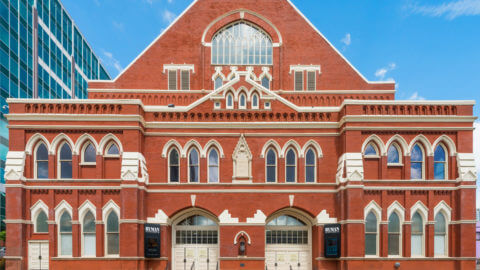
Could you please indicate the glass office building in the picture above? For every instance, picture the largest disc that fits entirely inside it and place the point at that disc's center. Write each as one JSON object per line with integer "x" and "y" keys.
{"x": 42, "y": 55}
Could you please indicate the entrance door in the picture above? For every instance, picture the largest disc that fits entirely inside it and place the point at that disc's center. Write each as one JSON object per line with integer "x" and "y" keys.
{"x": 288, "y": 245}
{"x": 38, "y": 255}
{"x": 196, "y": 244}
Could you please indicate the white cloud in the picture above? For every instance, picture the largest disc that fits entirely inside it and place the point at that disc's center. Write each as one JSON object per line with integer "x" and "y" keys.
{"x": 449, "y": 10}
{"x": 347, "y": 40}
{"x": 110, "y": 60}
{"x": 416, "y": 96}
{"x": 382, "y": 72}
{"x": 168, "y": 16}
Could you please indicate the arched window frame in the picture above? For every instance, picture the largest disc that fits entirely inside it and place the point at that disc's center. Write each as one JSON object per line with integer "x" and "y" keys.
{"x": 422, "y": 234}
{"x": 264, "y": 80}
{"x": 190, "y": 165}
{"x": 400, "y": 155}
{"x": 444, "y": 209}
{"x": 314, "y": 165}
{"x": 242, "y": 98}
{"x": 295, "y": 166}
{"x": 35, "y": 171}
{"x": 176, "y": 165}
{"x": 422, "y": 210}
{"x": 63, "y": 207}
{"x": 35, "y": 210}
{"x": 213, "y": 166}
{"x": 397, "y": 208}
{"x": 253, "y": 105}
{"x": 445, "y": 163}
{"x": 84, "y": 148}
{"x": 110, "y": 144}
{"x": 83, "y": 210}
{"x": 59, "y": 160}
{"x": 229, "y": 101}
{"x": 218, "y": 82}
{"x": 269, "y": 165}
{"x": 422, "y": 149}
{"x": 374, "y": 208}
{"x": 110, "y": 207}
{"x": 375, "y": 147}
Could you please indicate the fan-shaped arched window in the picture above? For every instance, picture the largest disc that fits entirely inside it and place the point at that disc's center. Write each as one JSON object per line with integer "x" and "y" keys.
{"x": 41, "y": 161}
{"x": 271, "y": 164}
{"x": 394, "y": 234}
{"x": 393, "y": 154}
{"x": 173, "y": 166}
{"x": 242, "y": 43}
{"x": 266, "y": 82}
{"x": 371, "y": 150}
{"x": 65, "y": 234}
{"x": 286, "y": 230}
{"x": 417, "y": 235}
{"x": 41, "y": 224}
{"x": 440, "y": 163}
{"x": 65, "y": 161}
{"x": 255, "y": 101}
{"x": 229, "y": 101}
{"x": 213, "y": 166}
{"x": 89, "y": 154}
{"x": 193, "y": 166}
{"x": 371, "y": 231}
{"x": 440, "y": 241}
{"x": 416, "y": 162}
{"x": 113, "y": 234}
{"x": 218, "y": 82}
{"x": 197, "y": 220}
{"x": 310, "y": 166}
{"x": 242, "y": 103}
{"x": 89, "y": 236}
{"x": 291, "y": 166}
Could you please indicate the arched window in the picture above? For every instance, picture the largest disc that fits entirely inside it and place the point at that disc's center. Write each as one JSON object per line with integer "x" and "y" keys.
{"x": 310, "y": 166}
{"x": 41, "y": 224}
{"x": 291, "y": 167}
{"x": 89, "y": 154}
{"x": 65, "y": 234}
{"x": 371, "y": 150}
{"x": 417, "y": 235}
{"x": 112, "y": 150}
{"x": 371, "y": 232}
{"x": 196, "y": 230}
{"x": 241, "y": 43}
{"x": 65, "y": 162}
{"x": 113, "y": 234}
{"x": 271, "y": 164}
{"x": 89, "y": 236}
{"x": 393, "y": 154}
{"x": 41, "y": 161}
{"x": 174, "y": 166}
{"x": 440, "y": 241}
{"x": 213, "y": 166}
{"x": 416, "y": 162}
{"x": 218, "y": 82}
{"x": 266, "y": 82}
{"x": 255, "y": 101}
{"x": 229, "y": 101}
{"x": 440, "y": 163}
{"x": 242, "y": 103}
{"x": 394, "y": 235}
{"x": 193, "y": 166}
{"x": 286, "y": 230}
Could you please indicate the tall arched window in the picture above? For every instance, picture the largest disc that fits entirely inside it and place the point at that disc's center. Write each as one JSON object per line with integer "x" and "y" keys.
{"x": 41, "y": 161}
{"x": 193, "y": 166}
{"x": 65, "y": 162}
{"x": 393, "y": 154}
{"x": 371, "y": 232}
{"x": 393, "y": 235}
{"x": 271, "y": 164}
{"x": 417, "y": 235}
{"x": 89, "y": 154}
{"x": 113, "y": 234}
{"x": 266, "y": 82}
{"x": 371, "y": 150}
{"x": 440, "y": 241}
{"x": 416, "y": 162}
{"x": 242, "y": 103}
{"x": 41, "y": 224}
{"x": 65, "y": 234}
{"x": 291, "y": 167}
{"x": 89, "y": 236}
{"x": 229, "y": 101}
{"x": 218, "y": 82}
{"x": 173, "y": 166}
{"x": 213, "y": 166}
{"x": 242, "y": 43}
{"x": 310, "y": 166}
{"x": 255, "y": 101}
{"x": 440, "y": 163}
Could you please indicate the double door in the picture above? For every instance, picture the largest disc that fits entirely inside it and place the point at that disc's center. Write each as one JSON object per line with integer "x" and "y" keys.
{"x": 38, "y": 256}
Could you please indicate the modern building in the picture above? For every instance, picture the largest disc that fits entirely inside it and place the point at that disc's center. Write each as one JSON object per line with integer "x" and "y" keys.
{"x": 42, "y": 55}
{"x": 241, "y": 139}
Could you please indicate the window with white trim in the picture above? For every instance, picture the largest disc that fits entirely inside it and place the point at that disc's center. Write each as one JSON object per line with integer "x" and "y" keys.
{"x": 41, "y": 222}
{"x": 185, "y": 79}
{"x": 371, "y": 150}
{"x": 298, "y": 80}
{"x": 229, "y": 101}
{"x": 172, "y": 79}
{"x": 89, "y": 155}
{"x": 213, "y": 166}
{"x": 89, "y": 235}
{"x": 173, "y": 166}
{"x": 271, "y": 166}
{"x": 266, "y": 82}
{"x": 440, "y": 163}
{"x": 65, "y": 232}
{"x": 112, "y": 150}
{"x": 194, "y": 166}
{"x": 113, "y": 234}
{"x": 65, "y": 162}
{"x": 41, "y": 161}
{"x": 311, "y": 80}
{"x": 218, "y": 82}
{"x": 417, "y": 235}
{"x": 440, "y": 241}
{"x": 291, "y": 166}
{"x": 371, "y": 234}
{"x": 393, "y": 155}
{"x": 310, "y": 166}
{"x": 242, "y": 43}
{"x": 394, "y": 235}
{"x": 242, "y": 101}
{"x": 255, "y": 101}
{"x": 417, "y": 161}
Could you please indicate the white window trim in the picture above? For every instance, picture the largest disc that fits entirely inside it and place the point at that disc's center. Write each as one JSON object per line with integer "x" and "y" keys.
{"x": 62, "y": 207}
{"x": 396, "y": 207}
{"x": 188, "y": 162}
{"x": 106, "y": 210}
{"x": 296, "y": 164}
{"x": 181, "y": 80}
{"x": 240, "y": 106}
{"x": 314, "y": 165}
{"x": 374, "y": 145}
{"x": 266, "y": 165}
{"x": 168, "y": 80}
{"x": 35, "y": 210}
{"x": 400, "y": 155}
{"x": 86, "y": 207}
{"x": 226, "y": 101}
{"x": 423, "y": 162}
{"x": 35, "y": 165}
{"x": 446, "y": 210}
{"x": 59, "y": 161}
{"x": 314, "y": 80}
{"x": 267, "y": 105}
{"x": 295, "y": 80}
{"x": 208, "y": 165}
{"x": 189, "y": 67}
{"x": 169, "y": 164}
{"x": 258, "y": 101}
{"x": 108, "y": 147}
{"x": 377, "y": 211}
{"x": 84, "y": 147}
{"x": 445, "y": 149}
{"x": 423, "y": 212}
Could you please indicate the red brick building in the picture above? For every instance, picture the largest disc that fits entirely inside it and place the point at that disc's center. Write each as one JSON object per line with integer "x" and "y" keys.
{"x": 242, "y": 132}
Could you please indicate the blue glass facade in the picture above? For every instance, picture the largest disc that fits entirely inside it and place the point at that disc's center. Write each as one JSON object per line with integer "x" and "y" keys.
{"x": 42, "y": 55}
